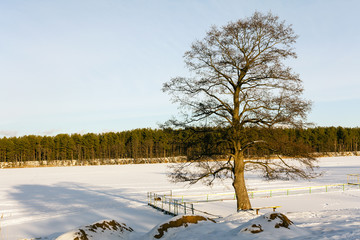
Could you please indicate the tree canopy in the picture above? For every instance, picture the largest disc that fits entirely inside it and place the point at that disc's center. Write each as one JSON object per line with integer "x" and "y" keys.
{"x": 239, "y": 80}
{"x": 156, "y": 143}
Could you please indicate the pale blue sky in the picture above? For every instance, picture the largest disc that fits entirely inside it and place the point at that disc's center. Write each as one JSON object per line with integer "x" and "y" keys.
{"x": 78, "y": 66}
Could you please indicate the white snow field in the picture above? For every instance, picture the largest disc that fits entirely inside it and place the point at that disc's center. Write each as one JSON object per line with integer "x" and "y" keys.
{"x": 44, "y": 203}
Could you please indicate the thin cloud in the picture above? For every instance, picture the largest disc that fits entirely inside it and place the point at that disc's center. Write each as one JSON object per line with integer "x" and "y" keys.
{"x": 51, "y": 132}
{"x": 8, "y": 133}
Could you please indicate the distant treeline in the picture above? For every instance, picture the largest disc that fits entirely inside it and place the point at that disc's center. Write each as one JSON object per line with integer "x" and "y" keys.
{"x": 156, "y": 143}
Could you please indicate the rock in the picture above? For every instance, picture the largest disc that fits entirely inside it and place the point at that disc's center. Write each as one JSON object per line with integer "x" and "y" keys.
{"x": 165, "y": 230}
{"x": 282, "y": 220}
{"x": 255, "y": 228}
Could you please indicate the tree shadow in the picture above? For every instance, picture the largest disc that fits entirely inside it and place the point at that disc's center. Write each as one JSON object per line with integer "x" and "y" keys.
{"x": 45, "y": 209}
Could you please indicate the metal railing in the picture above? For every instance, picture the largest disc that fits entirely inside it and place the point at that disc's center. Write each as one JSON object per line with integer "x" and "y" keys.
{"x": 353, "y": 179}
{"x": 184, "y": 203}
{"x": 168, "y": 205}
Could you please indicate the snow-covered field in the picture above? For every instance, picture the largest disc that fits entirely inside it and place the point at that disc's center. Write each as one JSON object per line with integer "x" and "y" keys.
{"x": 47, "y": 202}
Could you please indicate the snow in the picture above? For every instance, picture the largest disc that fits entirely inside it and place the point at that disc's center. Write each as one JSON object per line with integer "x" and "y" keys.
{"x": 45, "y": 203}
{"x": 104, "y": 230}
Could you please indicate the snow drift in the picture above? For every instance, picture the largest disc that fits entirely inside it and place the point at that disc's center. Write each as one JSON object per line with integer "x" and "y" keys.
{"x": 103, "y": 230}
{"x": 173, "y": 227}
{"x": 270, "y": 226}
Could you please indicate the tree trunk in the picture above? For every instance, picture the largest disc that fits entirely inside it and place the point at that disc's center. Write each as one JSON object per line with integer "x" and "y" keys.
{"x": 242, "y": 197}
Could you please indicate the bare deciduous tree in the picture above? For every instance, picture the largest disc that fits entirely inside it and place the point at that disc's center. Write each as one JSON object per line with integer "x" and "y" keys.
{"x": 239, "y": 81}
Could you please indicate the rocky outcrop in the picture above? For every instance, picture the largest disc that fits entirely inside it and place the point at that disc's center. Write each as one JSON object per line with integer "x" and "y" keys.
{"x": 167, "y": 229}
{"x": 103, "y": 230}
{"x": 274, "y": 224}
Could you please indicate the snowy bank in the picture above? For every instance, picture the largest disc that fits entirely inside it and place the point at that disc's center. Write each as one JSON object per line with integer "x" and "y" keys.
{"x": 45, "y": 203}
